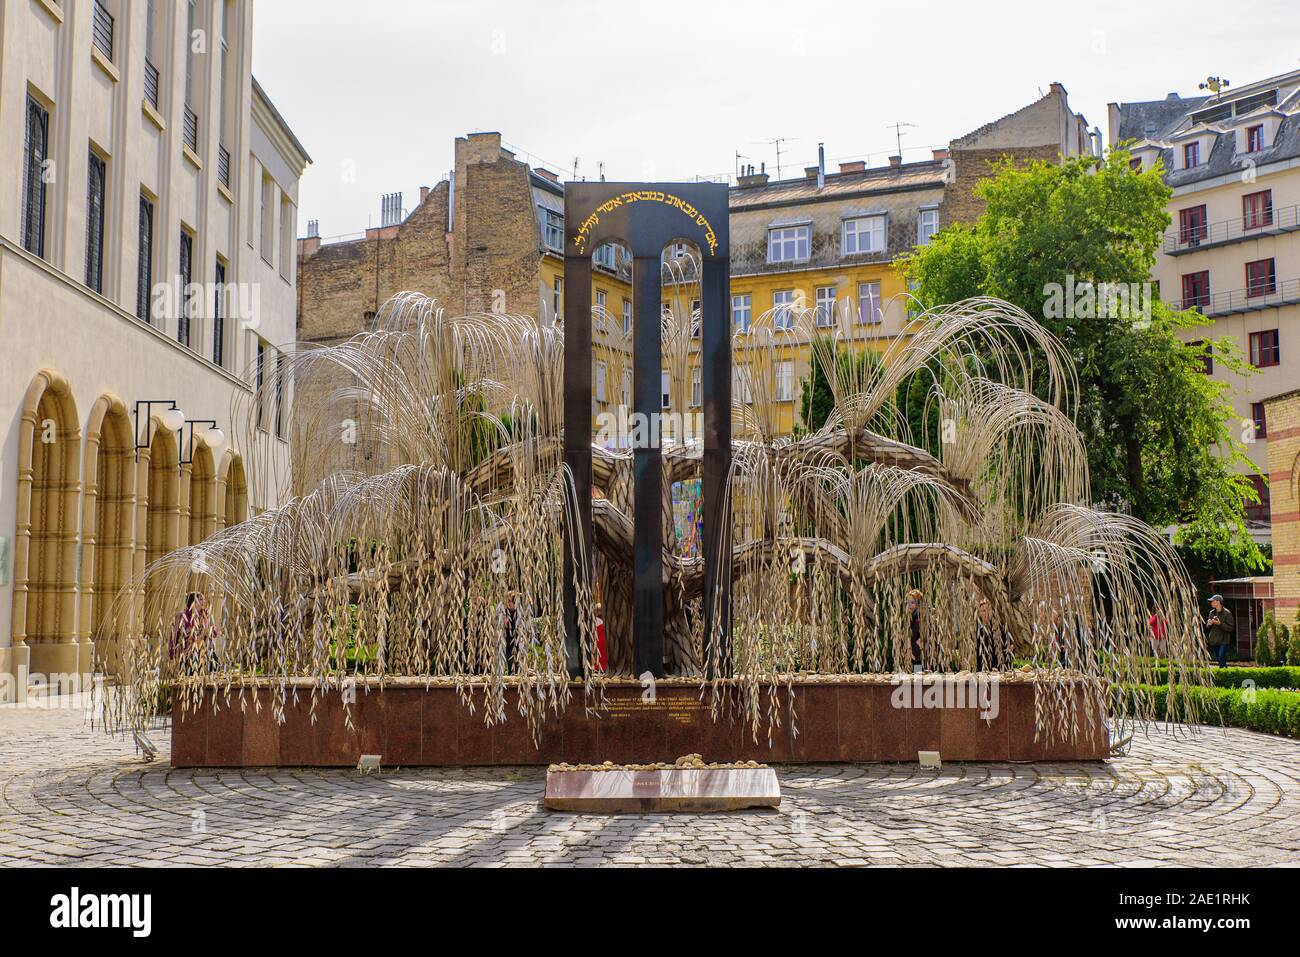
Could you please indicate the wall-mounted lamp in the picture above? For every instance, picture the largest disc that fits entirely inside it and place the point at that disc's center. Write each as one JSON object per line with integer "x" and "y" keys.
{"x": 171, "y": 418}
{"x": 203, "y": 429}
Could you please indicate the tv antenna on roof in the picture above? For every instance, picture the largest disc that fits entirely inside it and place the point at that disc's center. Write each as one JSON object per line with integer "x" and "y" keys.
{"x": 777, "y": 141}
{"x": 898, "y": 133}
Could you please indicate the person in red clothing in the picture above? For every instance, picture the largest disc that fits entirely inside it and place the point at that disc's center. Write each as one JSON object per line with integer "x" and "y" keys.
{"x": 1159, "y": 632}
{"x": 192, "y": 631}
{"x": 601, "y": 660}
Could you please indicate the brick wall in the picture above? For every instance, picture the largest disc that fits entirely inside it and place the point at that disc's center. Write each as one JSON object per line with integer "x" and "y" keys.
{"x": 1283, "y": 417}
{"x": 339, "y": 283}
{"x": 490, "y": 258}
{"x": 969, "y": 166}
{"x": 497, "y": 239}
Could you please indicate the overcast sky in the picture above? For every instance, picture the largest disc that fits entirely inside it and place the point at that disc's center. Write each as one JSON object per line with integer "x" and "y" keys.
{"x": 377, "y": 91}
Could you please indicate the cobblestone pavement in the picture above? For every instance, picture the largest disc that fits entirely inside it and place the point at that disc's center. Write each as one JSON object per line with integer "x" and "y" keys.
{"x": 70, "y": 795}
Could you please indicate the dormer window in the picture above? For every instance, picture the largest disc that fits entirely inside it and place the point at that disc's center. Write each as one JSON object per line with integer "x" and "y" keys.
{"x": 1191, "y": 155}
{"x": 788, "y": 243}
{"x": 1135, "y": 164}
{"x": 553, "y": 229}
{"x": 1255, "y": 138}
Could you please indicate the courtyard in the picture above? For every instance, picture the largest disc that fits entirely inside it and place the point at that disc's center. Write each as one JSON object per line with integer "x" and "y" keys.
{"x": 71, "y": 795}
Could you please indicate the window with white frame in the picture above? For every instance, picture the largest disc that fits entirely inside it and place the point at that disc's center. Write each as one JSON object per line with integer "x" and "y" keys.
{"x": 604, "y": 256}
{"x": 742, "y": 312}
{"x": 625, "y": 394}
{"x": 865, "y": 234}
{"x": 741, "y": 386}
{"x": 784, "y": 380}
{"x": 259, "y": 380}
{"x": 281, "y": 396}
{"x": 556, "y": 301}
{"x": 783, "y": 309}
{"x": 268, "y": 219}
{"x": 696, "y": 318}
{"x": 788, "y": 243}
{"x": 601, "y": 299}
{"x": 697, "y": 387}
{"x": 627, "y": 317}
{"x": 286, "y": 238}
{"x": 927, "y": 224}
{"x": 602, "y": 372}
{"x": 665, "y": 390}
{"x": 914, "y": 307}
{"x": 826, "y": 305}
{"x": 553, "y": 229}
{"x": 869, "y": 302}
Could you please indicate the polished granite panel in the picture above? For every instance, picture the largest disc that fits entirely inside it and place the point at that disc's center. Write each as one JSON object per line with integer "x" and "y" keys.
{"x": 677, "y": 789}
{"x": 410, "y": 725}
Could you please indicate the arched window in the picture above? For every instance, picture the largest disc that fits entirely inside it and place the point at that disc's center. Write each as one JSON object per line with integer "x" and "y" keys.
{"x": 107, "y": 535}
{"x": 45, "y": 552}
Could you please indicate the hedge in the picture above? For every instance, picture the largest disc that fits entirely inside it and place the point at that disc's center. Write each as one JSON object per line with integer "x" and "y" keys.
{"x": 1272, "y": 712}
{"x": 1281, "y": 677}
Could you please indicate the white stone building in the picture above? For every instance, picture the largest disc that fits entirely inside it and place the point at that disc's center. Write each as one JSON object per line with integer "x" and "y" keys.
{"x": 143, "y": 159}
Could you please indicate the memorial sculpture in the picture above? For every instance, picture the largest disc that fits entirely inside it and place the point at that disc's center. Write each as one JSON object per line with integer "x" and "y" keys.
{"x": 453, "y": 524}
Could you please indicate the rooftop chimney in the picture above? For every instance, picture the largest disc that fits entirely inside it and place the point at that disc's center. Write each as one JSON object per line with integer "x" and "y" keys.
{"x": 895, "y": 161}
{"x": 546, "y": 174}
{"x": 313, "y": 229}
{"x": 424, "y": 194}
{"x": 810, "y": 172}
{"x": 749, "y": 178}
{"x": 821, "y": 166}
{"x": 857, "y": 166}
{"x": 940, "y": 155}
{"x": 390, "y": 212}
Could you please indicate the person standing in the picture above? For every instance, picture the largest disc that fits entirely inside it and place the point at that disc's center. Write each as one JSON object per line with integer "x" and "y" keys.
{"x": 1058, "y": 638}
{"x": 192, "y": 635}
{"x": 988, "y": 639}
{"x": 510, "y": 630}
{"x": 1159, "y": 628}
{"x": 602, "y": 660}
{"x": 1220, "y": 628}
{"x": 914, "y": 607}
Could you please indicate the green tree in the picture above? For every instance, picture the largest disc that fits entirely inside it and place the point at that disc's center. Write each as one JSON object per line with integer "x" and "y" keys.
{"x": 1162, "y": 437}
{"x": 816, "y": 398}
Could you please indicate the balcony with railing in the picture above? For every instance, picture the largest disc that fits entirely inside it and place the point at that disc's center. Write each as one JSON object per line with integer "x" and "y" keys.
{"x": 102, "y": 30}
{"x": 223, "y": 166}
{"x": 1181, "y": 240}
{"x": 151, "y": 84}
{"x": 192, "y": 130}
{"x": 1250, "y": 299}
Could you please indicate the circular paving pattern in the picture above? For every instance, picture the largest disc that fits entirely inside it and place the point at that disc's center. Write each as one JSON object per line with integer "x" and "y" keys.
{"x": 70, "y": 795}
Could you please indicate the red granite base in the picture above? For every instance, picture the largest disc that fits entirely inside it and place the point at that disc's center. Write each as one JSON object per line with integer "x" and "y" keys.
{"x": 418, "y": 726}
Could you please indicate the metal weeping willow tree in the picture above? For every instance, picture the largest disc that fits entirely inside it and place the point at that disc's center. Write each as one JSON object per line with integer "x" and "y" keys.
{"x": 448, "y": 519}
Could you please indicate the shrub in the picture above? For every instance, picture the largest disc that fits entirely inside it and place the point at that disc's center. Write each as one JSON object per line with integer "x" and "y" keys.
{"x": 1270, "y": 712}
{"x": 1271, "y": 642}
{"x": 1278, "y": 677}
